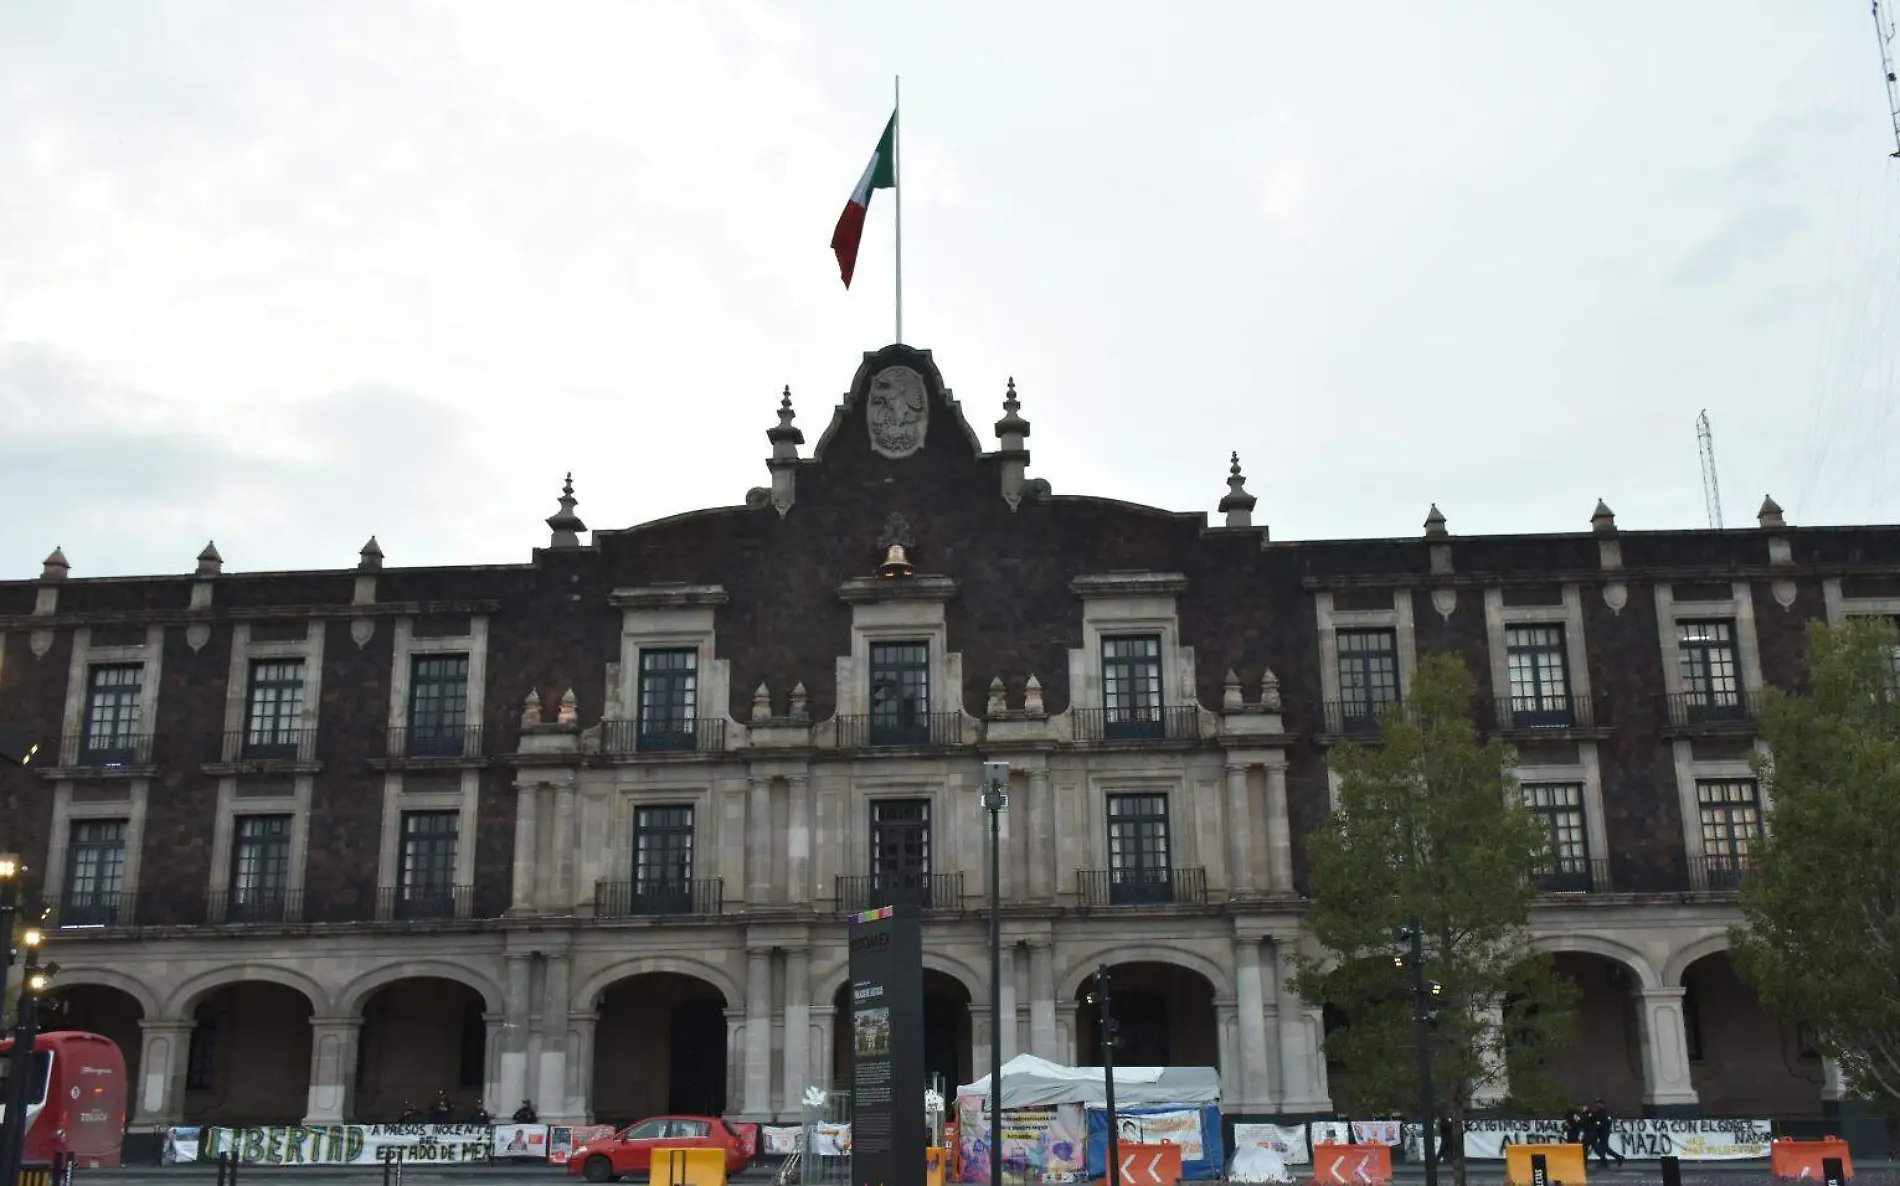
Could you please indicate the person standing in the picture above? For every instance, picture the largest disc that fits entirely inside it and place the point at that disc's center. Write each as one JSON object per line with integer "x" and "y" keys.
{"x": 1573, "y": 1125}
{"x": 1600, "y": 1124}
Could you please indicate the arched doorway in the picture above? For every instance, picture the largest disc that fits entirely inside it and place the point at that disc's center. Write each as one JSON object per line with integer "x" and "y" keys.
{"x": 248, "y": 1061}
{"x": 422, "y": 1038}
{"x": 1605, "y": 1061}
{"x": 109, "y": 1012}
{"x": 947, "y": 1032}
{"x": 1743, "y": 1060}
{"x": 1164, "y": 1017}
{"x": 659, "y": 1046}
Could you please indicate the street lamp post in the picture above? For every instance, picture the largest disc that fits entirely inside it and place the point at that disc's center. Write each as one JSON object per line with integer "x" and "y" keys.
{"x": 34, "y": 983}
{"x": 9, "y": 912}
{"x": 1105, "y": 1037}
{"x": 1423, "y": 992}
{"x": 995, "y": 799}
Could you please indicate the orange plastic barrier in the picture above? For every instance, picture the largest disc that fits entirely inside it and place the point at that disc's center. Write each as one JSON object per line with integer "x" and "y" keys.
{"x": 1802, "y": 1159}
{"x": 1151, "y": 1165}
{"x": 1562, "y": 1163}
{"x": 1351, "y": 1165}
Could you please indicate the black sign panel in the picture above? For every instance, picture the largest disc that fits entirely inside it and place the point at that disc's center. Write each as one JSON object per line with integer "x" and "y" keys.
{"x": 887, "y": 1047}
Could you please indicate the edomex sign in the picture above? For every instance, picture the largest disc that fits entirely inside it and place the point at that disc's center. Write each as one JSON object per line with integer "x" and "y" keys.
{"x": 887, "y": 1047}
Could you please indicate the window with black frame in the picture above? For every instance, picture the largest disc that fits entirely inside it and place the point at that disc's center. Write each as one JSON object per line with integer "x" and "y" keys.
{"x": 1368, "y": 675}
{"x": 1140, "y": 868}
{"x": 1540, "y": 677}
{"x": 900, "y": 851}
{"x": 95, "y": 873}
{"x": 663, "y": 860}
{"x": 1730, "y": 810}
{"x": 438, "y": 706}
{"x": 900, "y": 693}
{"x": 112, "y": 715}
{"x": 1131, "y": 687}
{"x": 426, "y": 877}
{"x": 1559, "y": 807}
{"x": 669, "y": 699}
{"x": 201, "y": 1053}
{"x": 260, "y": 868}
{"x": 1711, "y": 671}
{"x": 273, "y": 718}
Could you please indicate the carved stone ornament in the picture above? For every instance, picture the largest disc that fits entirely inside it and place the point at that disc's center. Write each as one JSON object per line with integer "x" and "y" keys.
{"x": 1784, "y": 593}
{"x": 41, "y": 641}
{"x": 196, "y": 636}
{"x": 1445, "y": 601}
{"x": 361, "y": 631}
{"x": 896, "y": 533}
{"x": 1616, "y": 595}
{"x": 898, "y": 411}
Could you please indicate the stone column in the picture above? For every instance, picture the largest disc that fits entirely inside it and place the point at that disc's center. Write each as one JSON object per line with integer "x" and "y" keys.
{"x": 164, "y": 1048}
{"x": 1250, "y": 998}
{"x": 1302, "y": 1066}
{"x": 1232, "y": 1073}
{"x": 1044, "y": 1040}
{"x": 758, "y": 1035}
{"x": 1006, "y": 1003}
{"x": 1494, "y": 1085}
{"x": 516, "y": 1025}
{"x": 494, "y": 1040}
{"x": 527, "y": 797}
{"x": 1239, "y": 833}
{"x": 1279, "y": 832}
{"x": 332, "y": 1068}
{"x": 1666, "y": 1081}
{"x": 798, "y": 840}
{"x": 1042, "y": 836}
{"x": 565, "y": 843}
{"x": 580, "y": 1067}
{"x": 823, "y": 1020}
{"x": 550, "y": 1085}
{"x": 758, "y": 848}
{"x": 797, "y": 1068}
{"x": 980, "y": 1021}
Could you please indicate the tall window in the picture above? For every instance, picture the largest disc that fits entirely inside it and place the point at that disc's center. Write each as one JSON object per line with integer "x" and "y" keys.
{"x": 669, "y": 699}
{"x": 260, "y": 867}
{"x": 274, "y": 717}
{"x": 1559, "y": 806}
{"x": 900, "y": 693}
{"x": 426, "y": 888}
{"x": 1131, "y": 686}
{"x": 201, "y": 1055}
{"x": 1731, "y": 823}
{"x": 1139, "y": 866}
{"x": 112, "y": 714}
{"x": 1368, "y": 672}
{"x": 95, "y": 873}
{"x": 900, "y": 850}
{"x": 663, "y": 860}
{"x": 438, "y": 705}
{"x": 1540, "y": 676}
{"x": 1711, "y": 673}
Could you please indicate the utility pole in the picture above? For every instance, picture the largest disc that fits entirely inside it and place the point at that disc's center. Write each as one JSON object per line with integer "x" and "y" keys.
{"x": 1105, "y": 1033}
{"x": 1423, "y": 993}
{"x": 995, "y": 799}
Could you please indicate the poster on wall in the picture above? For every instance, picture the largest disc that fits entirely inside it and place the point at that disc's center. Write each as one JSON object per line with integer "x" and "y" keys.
{"x": 1287, "y": 1140}
{"x": 1043, "y": 1143}
{"x": 1162, "y": 1128}
{"x": 521, "y": 1142}
{"x": 781, "y": 1140}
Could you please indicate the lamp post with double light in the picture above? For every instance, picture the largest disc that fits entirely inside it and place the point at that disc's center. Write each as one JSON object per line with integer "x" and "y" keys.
{"x": 995, "y": 799}
{"x": 1425, "y": 994}
{"x": 1105, "y": 1036}
{"x": 35, "y": 982}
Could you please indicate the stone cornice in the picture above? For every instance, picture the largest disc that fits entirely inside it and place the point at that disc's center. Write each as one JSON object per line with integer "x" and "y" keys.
{"x": 1129, "y": 584}
{"x": 1593, "y": 576}
{"x": 668, "y": 597}
{"x": 865, "y": 590}
{"x": 262, "y": 613}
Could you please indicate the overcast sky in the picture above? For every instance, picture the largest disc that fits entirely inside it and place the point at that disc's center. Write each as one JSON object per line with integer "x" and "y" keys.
{"x": 288, "y": 274}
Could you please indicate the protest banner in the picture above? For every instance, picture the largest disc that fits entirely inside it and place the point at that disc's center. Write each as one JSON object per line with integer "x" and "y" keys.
{"x": 1689, "y": 1140}
{"x": 520, "y": 1142}
{"x": 348, "y": 1144}
{"x": 563, "y": 1139}
{"x": 1043, "y": 1143}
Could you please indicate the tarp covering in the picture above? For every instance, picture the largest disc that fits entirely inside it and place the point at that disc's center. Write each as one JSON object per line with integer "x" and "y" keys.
{"x": 1031, "y": 1082}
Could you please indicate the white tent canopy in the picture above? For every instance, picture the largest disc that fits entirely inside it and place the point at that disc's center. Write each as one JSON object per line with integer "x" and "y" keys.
{"x": 1031, "y": 1082}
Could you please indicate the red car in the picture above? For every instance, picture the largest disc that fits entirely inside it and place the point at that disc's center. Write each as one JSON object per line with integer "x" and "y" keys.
{"x": 630, "y": 1151}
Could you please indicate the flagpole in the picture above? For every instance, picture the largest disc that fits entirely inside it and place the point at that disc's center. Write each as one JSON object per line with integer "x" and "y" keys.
{"x": 897, "y": 186}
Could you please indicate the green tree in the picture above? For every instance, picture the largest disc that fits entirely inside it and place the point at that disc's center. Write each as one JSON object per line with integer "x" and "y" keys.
{"x": 1820, "y": 938}
{"x": 1432, "y": 831}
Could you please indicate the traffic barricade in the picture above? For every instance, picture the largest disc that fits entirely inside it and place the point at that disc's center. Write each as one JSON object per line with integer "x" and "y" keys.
{"x": 1562, "y": 1163}
{"x": 1788, "y": 1158}
{"x": 1351, "y": 1165}
{"x": 1150, "y": 1165}
{"x": 680, "y": 1166}
{"x": 936, "y": 1165}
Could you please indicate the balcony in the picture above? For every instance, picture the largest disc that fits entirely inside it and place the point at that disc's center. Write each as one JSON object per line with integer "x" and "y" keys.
{"x": 98, "y": 754}
{"x": 1730, "y": 711}
{"x": 1355, "y": 720}
{"x": 922, "y": 731}
{"x": 1180, "y": 722}
{"x": 424, "y": 903}
{"x": 926, "y": 891}
{"x": 1574, "y": 877}
{"x": 1141, "y": 887}
{"x": 687, "y": 735}
{"x": 434, "y": 746}
{"x": 253, "y": 907}
{"x": 91, "y": 909}
{"x": 1717, "y": 875}
{"x": 273, "y": 747}
{"x": 1540, "y": 716}
{"x": 633, "y": 899}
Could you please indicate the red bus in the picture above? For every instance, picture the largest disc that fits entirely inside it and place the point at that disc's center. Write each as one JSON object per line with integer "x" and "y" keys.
{"x": 76, "y": 1099}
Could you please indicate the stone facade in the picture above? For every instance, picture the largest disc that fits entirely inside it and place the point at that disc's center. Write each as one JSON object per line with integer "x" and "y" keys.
{"x": 370, "y": 898}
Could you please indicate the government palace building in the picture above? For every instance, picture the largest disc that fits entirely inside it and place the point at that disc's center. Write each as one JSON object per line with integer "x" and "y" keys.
{"x": 583, "y": 830}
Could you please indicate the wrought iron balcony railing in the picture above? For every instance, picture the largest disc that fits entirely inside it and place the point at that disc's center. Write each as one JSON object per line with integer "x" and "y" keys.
{"x": 424, "y": 742}
{"x": 1534, "y": 714}
{"x": 1718, "y": 875}
{"x": 107, "y": 750}
{"x": 1574, "y": 876}
{"x": 1714, "y": 709}
{"x": 623, "y": 899}
{"x": 91, "y": 908}
{"x": 1174, "y": 722}
{"x": 679, "y": 735}
{"x": 1353, "y": 718}
{"x": 238, "y": 907}
{"x": 262, "y": 745}
{"x": 919, "y": 731}
{"x": 926, "y": 891}
{"x": 1141, "y": 887}
{"x": 424, "y": 903}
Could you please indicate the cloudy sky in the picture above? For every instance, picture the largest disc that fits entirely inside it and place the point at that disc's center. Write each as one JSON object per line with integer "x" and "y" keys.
{"x": 286, "y": 274}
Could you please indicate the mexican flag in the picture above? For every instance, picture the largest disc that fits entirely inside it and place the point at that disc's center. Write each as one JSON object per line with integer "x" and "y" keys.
{"x": 881, "y": 173}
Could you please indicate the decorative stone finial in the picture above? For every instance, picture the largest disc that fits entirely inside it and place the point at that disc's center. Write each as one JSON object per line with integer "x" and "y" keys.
{"x": 1032, "y": 698}
{"x": 1270, "y": 691}
{"x": 531, "y": 709}
{"x": 1602, "y": 520}
{"x": 565, "y": 524}
{"x": 800, "y": 711}
{"x": 55, "y": 568}
{"x": 785, "y": 438}
{"x": 1012, "y": 429}
{"x": 1238, "y": 504}
{"x": 210, "y": 564}
{"x": 570, "y": 712}
{"x": 1230, "y": 700}
{"x": 997, "y": 704}
{"x": 372, "y": 556}
{"x": 1770, "y": 513}
{"x": 1435, "y": 523}
{"x": 762, "y": 703}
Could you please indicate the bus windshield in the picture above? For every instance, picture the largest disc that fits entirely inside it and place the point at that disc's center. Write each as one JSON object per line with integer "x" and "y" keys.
{"x": 36, "y": 1090}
